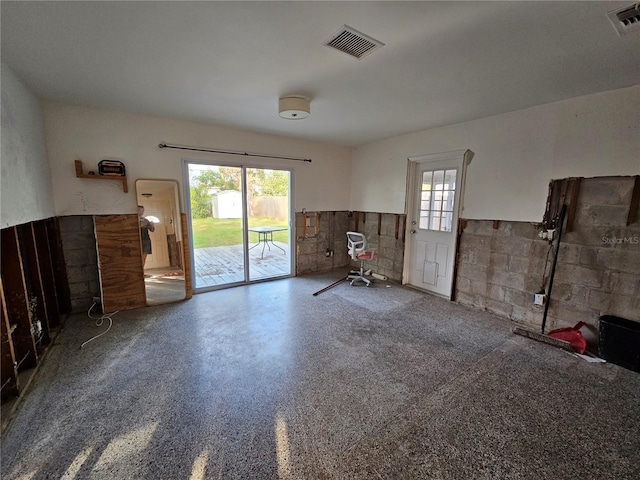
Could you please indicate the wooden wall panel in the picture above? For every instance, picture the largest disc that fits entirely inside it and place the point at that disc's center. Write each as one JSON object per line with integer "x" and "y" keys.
{"x": 120, "y": 262}
{"x": 174, "y": 251}
{"x": 33, "y": 279}
{"x": 46, "y": 272}
{"x": 186, "y": 261}
{"x": 9, "y": 364}
{"x": 15, "y": 297}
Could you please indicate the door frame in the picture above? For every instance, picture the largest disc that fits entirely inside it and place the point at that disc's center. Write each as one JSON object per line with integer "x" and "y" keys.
{"x": 245, "y": 234}
{"x": 456, "y": 158}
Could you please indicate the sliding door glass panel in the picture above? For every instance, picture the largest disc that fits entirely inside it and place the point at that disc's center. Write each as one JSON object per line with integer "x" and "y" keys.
{"x": 268, "y": 223}
{"x": 217, "y": 225}
{"x": 240, "y": 224}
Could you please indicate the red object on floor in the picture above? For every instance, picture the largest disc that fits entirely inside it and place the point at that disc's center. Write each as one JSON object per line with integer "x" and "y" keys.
{"x": 571, "y": 335}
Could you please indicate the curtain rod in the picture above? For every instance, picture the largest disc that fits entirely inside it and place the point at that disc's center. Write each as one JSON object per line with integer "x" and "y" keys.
{"x": 230, "y": 152}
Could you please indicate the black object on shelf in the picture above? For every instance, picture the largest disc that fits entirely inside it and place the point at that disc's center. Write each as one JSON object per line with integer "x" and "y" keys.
{"x": 111, "y": 167}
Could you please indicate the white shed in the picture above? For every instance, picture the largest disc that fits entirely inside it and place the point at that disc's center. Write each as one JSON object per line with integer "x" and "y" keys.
{"x": 226, "y": 204}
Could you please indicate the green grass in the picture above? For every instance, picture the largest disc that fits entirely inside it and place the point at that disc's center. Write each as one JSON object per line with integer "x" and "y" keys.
{"x": 218, "y": 232}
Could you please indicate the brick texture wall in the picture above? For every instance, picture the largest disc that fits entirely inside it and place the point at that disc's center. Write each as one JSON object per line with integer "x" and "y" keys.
{"x": 389, "y": 248}
{"x": 598, "y": 270}
{"x": 324, "y": 230}
{"x": 330, "y": 232}
{"x": 79, "y": 246}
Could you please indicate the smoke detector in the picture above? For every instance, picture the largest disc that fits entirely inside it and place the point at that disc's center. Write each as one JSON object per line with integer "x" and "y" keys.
{"x": 352, "y": 42}
{"x": 625, "y": 19}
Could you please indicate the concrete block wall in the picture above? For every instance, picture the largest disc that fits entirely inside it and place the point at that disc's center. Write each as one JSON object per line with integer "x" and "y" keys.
{"x": 390, "y": 250}
{"x": 324, "y": 230}
{"x": 499, "y": 269}
{"x": 598, "y": 271}
{"x": 81, "y": 259}
{"x": 331, "y": 233}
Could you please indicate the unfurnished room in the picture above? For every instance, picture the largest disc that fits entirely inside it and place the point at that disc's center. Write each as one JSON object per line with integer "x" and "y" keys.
{"x": 320, "y": 240}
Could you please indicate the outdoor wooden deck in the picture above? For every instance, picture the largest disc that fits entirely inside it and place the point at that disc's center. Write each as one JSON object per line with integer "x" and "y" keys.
{"x": 221, "y": 265}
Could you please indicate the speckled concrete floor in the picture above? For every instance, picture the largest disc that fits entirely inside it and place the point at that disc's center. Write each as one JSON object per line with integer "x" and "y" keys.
{"x": 267, "y": 381}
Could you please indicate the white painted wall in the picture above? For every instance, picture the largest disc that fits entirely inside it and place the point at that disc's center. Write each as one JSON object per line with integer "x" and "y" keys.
{"x": 516, "y": 155}
{"x": 93, "y": 134}
{"x": 25, "y": 186}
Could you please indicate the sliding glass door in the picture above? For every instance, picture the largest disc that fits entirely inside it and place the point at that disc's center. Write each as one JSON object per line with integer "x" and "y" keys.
{"x": 268, "y": 223}
{"x": 240, "y": 221}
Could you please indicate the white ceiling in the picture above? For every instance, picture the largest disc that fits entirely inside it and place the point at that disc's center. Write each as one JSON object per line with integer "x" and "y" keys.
{"x": 226, "y": 63}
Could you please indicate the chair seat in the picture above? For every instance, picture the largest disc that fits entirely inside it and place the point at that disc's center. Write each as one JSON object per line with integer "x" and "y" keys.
{"x": 367, "y": 256}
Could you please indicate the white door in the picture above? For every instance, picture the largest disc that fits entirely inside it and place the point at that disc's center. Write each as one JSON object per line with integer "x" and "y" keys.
{"x": 159, "y": 257}
{"x": 432, "y": 225}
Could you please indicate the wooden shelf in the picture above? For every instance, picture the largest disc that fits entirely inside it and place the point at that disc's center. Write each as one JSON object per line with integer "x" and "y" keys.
{"x": 80, "y": 174}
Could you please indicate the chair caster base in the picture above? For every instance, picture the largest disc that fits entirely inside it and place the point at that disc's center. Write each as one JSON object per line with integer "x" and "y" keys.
{"x": 354, "y": 280}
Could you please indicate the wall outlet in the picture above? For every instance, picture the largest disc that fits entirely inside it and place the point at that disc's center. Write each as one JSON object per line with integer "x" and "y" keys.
{"x": 547, "y": 234}
{"x": 539, "y": 299}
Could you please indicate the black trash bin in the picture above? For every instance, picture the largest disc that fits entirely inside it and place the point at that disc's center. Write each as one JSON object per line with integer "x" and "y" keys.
{"x": 620, "y": 341}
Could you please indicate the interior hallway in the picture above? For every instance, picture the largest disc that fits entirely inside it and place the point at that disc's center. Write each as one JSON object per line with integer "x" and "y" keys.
{"x": 268, "y": 381}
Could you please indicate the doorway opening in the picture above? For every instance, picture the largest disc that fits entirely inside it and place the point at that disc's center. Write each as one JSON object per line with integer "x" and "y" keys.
{"x": 240, "y": 222}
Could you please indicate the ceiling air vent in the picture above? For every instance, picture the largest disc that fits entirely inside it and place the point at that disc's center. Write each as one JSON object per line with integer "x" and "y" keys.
{"x": 349, "y": 40}
{"x": 626, "y": 19}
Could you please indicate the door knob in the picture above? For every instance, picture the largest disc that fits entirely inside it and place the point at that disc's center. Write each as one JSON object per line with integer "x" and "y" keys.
{"x": 413, "y": 231}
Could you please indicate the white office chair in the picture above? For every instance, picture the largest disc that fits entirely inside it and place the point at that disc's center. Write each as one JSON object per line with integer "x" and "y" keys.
{"x": 357, "y": 245}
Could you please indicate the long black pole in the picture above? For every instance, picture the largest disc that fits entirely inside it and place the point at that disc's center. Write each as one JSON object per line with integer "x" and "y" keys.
{"x": 330, "y": 286}
{"x": 553, "y": 267}
{"x": 231, "y": 152}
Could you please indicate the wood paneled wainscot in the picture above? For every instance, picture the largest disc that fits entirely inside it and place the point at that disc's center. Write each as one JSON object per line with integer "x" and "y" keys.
{"x": 120, "y": 262}
{"x": 31, "y": 300}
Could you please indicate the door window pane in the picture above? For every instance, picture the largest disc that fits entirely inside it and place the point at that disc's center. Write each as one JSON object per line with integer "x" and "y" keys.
{"x": 437, "y": 200}
{"x": 426, "y": 180}
{"x": 438, "y": 179}
{"x": 450, "y": 180}
{"x": 447, "y": 201}
{"x": 447, "y": 219}
{"x": 435, "y": 221}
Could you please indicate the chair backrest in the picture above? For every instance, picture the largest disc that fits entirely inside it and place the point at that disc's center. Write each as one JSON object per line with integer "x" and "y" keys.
{"x": 356, "y": 243}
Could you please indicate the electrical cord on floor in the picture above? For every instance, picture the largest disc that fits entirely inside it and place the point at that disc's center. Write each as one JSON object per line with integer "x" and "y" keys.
{"x": 99, "y": 321}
